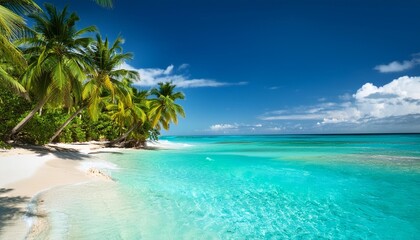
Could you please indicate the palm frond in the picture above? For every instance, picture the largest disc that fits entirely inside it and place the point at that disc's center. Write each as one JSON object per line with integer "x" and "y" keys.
{"x": 21, "y": 6}
{"x": 10, "y": 22}
{"x": 58, "y": 75}
{"x": 8, "y": 80}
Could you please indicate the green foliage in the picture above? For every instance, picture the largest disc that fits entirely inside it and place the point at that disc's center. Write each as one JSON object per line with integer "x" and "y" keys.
{"x": 65, "y": 136}
{"x": 103, "y": 129}
{"x": 4, "y": 145}
{"x": 81, "y": 129}
{"x": 12, "y": 107}
{"x": 41, "y": 127}
{"x": 74, "y": 77}
{"x": 78, "y": 133}
{"x": 38, "y": 131}
{"x": 74, "y": 132}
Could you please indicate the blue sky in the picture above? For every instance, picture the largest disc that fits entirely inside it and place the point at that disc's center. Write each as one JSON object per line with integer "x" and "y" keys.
{"x": 275, "y": 67}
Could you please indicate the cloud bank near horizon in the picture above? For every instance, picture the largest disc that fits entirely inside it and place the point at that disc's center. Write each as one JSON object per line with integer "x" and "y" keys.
{"x": 393, "y": 107}
{"x": 233, "y": 127}
{"x": 398, "y": 99}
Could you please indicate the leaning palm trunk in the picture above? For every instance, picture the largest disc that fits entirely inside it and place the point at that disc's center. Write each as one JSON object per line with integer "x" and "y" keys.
{"x": 22, "y": 123}
{"x": 66, "y": 123}
{"x": 124, "y": 136}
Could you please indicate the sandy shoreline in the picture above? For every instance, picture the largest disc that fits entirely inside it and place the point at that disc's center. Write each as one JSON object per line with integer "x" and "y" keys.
{"x": 26, "y": 172}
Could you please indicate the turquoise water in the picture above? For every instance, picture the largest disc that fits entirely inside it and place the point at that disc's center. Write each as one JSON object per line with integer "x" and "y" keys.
{"x": 252, "y": 187}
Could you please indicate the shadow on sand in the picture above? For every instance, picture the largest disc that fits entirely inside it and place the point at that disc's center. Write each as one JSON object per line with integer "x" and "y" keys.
{"x": 59, "y": 152}
{"x": 11, "y": 208}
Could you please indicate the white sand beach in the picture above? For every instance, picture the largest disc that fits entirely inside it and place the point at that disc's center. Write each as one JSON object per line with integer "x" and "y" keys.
{"x": 25, "y": 172}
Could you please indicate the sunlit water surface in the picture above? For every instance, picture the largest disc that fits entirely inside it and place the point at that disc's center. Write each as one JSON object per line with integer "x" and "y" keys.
{"x": 251, "y": 187}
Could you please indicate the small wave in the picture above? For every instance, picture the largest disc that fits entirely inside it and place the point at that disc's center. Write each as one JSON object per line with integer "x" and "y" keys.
{"x": 30, "y": 212}
{"x": 165, "y": 144}
{"x": 209, "y": 159}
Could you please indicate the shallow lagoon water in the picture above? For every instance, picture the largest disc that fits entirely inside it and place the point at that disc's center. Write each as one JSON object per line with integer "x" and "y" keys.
{"x": 251, "y": 187}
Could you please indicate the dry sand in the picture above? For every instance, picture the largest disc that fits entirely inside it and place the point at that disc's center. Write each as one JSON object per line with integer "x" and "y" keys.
{"x": 25, "y": 172}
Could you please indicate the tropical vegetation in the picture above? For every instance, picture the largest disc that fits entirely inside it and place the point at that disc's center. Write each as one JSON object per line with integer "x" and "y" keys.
{"x": 64, "y": 84}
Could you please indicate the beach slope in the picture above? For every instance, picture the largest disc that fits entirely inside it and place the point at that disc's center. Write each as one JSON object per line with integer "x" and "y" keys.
{"x": 28, "y": 171}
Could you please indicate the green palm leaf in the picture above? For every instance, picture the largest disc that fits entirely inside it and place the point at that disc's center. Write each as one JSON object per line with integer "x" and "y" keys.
{"x": 164, "y": 110}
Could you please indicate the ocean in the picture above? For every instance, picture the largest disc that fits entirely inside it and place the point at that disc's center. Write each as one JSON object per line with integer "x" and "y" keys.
{"x": 250, "y": 187}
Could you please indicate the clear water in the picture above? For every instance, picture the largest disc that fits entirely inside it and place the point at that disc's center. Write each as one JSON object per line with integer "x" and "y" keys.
{"x": 252, "y": 187}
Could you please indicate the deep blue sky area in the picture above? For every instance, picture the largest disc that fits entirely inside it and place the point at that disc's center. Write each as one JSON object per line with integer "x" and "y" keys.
{"x": 274, "y": 67}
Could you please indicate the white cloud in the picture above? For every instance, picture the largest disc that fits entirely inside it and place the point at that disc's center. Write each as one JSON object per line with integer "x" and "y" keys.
{"x": 168, "y": 70}
{"x": 220, "y": 127}
{"x": 276, "y": 129}
{"x": 183, "y": 66}
{"x": 152, "y": 76}
{"x": 345, "y": 97}
{"x": 397, "y": 99}
{"x": 229, "y": 127}
{"x": 303, "y": 116}
{"x": 396, "y": 66}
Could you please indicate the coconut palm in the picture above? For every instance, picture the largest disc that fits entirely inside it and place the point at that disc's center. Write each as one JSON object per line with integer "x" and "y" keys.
{"x": 107, "y": 73}
{"x": 163, "y": 109}
{"x": 12, "y": 25}
{"x": 104, "y": 80}
{"x": 130, "y": 115}
{"x": 57, "y": 64}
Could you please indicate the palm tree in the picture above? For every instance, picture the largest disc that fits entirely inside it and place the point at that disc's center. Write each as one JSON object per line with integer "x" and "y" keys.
{"x": 129, "y": 115}
{"x": 12, "y": 25}
{"x": 57, "y": 64}
{"x": 163, "y": 108}
{"x": 104, "y": 80}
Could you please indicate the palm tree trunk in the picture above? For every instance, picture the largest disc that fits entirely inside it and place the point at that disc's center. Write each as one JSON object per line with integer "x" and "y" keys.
{"x": 22, "y": 123}
{"x": 66, "y": 123}
{"x": 124, "y": 136}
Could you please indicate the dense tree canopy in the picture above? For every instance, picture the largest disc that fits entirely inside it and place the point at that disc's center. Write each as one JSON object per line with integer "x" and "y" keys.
{"x": 61, "y": 83}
